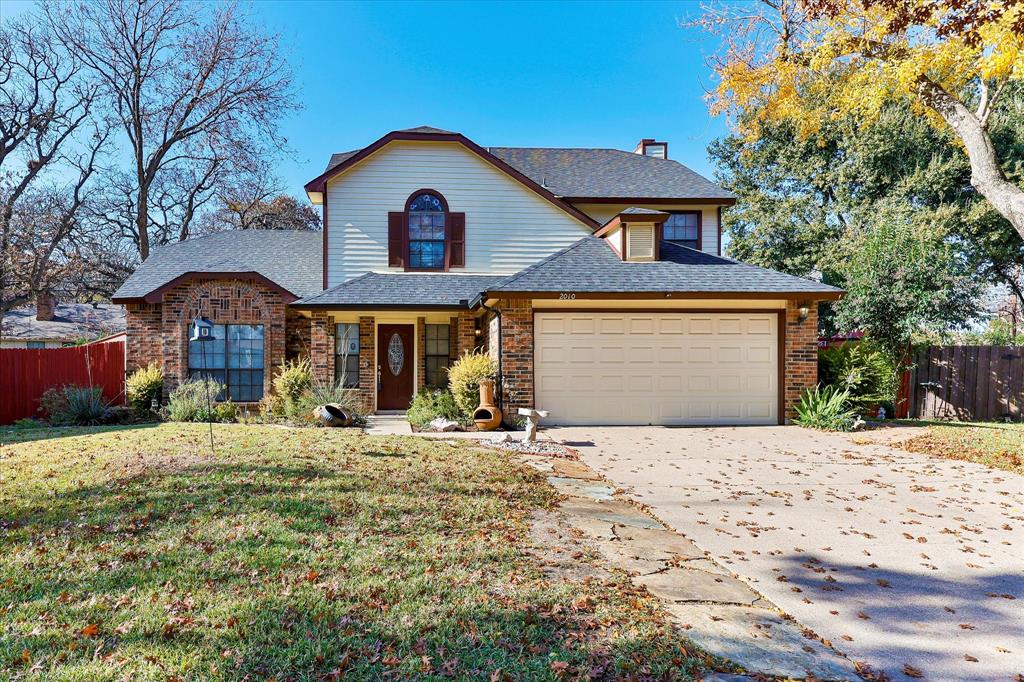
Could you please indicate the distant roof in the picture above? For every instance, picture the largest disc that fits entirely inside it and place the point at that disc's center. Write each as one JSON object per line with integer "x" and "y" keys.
{"x": 590, "y": 265}
{"x": 414, "y": 290}
{"x": 293, "y": 259}
{"x": 582, "y": 173}
{"x": 72, "y": 321}
{"x": 602, "y": 173}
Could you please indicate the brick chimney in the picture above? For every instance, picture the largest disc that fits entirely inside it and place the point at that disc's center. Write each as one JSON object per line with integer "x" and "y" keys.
{"x": 651, "y": 147}
{"x": 46, "y": 306}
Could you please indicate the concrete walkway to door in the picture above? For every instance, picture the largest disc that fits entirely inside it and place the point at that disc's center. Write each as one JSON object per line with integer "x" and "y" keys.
{"x": 908, "y": 563}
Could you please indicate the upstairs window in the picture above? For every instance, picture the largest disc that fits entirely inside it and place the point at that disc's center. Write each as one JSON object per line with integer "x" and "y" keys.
{"x": 683, "y": 228}
{"x": 426, "y": 216}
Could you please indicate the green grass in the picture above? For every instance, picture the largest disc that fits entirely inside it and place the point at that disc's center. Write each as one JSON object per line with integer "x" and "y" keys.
{"x": 993, "y": 444}
{"x": 131, "y": 553}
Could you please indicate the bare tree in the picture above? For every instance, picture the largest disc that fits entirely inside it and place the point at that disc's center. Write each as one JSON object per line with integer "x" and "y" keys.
{"x": 193, "y": 88}
{"x": 46, "y": 135}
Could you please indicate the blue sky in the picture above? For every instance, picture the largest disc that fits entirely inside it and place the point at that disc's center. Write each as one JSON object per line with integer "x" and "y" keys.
{"x": 586, "y": 74}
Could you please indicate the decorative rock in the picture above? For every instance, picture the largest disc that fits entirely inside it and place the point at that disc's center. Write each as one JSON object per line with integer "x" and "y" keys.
{"x": 760, "y": 640}
{"x": 573, "y": 469}
{"x": 442, "y": 424}
{"x": 682, "y": 584}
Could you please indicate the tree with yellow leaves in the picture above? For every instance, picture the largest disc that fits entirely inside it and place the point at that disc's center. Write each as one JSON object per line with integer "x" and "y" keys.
{"x": 809, "y": 61}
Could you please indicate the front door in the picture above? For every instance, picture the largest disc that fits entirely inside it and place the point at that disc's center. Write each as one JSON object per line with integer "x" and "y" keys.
{"x": 396, "y": 359}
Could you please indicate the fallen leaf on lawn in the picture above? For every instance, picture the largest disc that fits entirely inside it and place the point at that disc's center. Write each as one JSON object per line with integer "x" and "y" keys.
{"x": 90, "y": 630}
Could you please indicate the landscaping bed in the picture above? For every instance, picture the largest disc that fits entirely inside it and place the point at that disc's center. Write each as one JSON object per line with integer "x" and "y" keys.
{"x": 134, "y": 553}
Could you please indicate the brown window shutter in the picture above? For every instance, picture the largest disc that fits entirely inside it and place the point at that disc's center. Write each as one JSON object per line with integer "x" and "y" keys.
{"x": 457, "y": 240}
{"x": 397, "y": 235}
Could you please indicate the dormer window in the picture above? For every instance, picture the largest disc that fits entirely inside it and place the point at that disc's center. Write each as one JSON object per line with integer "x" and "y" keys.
{"x": 653, "y": 148}
{"x": 683, "y": 228}
{"x": 427, "y": 220}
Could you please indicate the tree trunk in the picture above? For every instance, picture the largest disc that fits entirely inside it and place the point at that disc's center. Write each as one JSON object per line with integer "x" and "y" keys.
{"x": 142, "y": 222}
{"x": 986, "y": 175}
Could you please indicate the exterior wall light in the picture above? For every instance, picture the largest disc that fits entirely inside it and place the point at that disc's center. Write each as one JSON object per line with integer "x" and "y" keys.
{"x": 804, "y": 309}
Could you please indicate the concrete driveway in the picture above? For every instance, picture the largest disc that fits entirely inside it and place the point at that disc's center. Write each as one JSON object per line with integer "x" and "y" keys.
{"x": 910, "y": 564}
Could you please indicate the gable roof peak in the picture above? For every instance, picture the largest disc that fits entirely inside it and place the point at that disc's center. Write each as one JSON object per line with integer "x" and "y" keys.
{"x": 427, "y": 130}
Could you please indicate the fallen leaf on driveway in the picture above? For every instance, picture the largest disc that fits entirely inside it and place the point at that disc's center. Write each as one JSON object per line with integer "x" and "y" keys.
{"x": 911, "y": 671}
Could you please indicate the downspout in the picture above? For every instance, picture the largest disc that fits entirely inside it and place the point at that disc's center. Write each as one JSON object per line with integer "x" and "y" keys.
{"x": 501, "y": 377}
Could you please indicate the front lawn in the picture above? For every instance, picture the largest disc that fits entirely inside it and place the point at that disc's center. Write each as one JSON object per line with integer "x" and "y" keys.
{"x": 131, "y": 553}
{"x": 993, "y": 444}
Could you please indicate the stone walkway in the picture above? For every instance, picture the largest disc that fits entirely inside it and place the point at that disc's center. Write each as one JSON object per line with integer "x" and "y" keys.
{"x": 713, "y": 608}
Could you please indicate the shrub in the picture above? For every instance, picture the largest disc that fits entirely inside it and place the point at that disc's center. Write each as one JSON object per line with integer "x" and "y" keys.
{"x": 862, "y": 369}
{"x": 225, "y": 411}
{"x": 465, "y": 376}
{"x": 26, "y": 424}
{"x": 826, "y": 409}
{"x": 292, "y": 381}
{"x": 188, "y": 403}
{"x": 78, "y": 405}
{"x": 52, "y": 402}
{"x": 143, "y": 385}
{"x": 321, "y": 393}
{"x": 431, "y": 403}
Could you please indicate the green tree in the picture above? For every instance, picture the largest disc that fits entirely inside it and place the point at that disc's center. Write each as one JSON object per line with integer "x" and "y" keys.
{"x": 905, "y": 276}
{"x": 804, "y": 200}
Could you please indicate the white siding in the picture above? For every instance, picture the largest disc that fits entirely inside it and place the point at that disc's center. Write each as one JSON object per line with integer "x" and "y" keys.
{"x": 602, "y": 213}
{"x": 508, "y": 227}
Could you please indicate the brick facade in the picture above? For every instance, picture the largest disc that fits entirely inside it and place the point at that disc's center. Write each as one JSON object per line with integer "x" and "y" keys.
{"x": 297, "y": 335}
{"x": 160, "y": 331}
{"x": 144, "y": 339}
{"x": 801, "y": 355}
{"x": 516, "y": 354}
{"x": 465, "y": 341}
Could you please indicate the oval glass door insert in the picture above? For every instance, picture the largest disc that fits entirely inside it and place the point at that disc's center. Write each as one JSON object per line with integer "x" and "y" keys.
{"x": 396, "y": 354}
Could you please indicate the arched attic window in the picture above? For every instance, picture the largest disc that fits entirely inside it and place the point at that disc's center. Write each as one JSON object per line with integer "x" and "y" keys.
{"x": 426, "y": 235}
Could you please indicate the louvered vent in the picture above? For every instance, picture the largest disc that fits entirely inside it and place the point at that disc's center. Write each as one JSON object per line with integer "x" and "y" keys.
{"x": 640, "y": 242}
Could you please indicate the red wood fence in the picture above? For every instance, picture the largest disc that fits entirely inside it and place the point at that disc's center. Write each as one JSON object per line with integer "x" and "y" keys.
{"x": 968, "y": 383}
{"x": 25, "y": 374}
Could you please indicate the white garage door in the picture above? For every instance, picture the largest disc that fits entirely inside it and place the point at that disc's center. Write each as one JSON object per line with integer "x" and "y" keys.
{"x": 657, "y": 368}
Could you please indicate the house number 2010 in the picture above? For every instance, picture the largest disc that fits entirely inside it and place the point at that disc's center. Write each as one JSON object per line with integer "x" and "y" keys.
{"x": 567, "y": 297}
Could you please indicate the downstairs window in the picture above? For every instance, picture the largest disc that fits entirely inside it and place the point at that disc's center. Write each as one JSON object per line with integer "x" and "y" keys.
{"x": 234, "y": 358}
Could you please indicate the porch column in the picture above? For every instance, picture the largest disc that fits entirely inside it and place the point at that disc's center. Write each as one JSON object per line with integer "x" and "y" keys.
{"x": 367, "y": 363}
{"x": 321, "y": 346}
{"x": 466, "y": 340}
{"x": 516, "y": 354}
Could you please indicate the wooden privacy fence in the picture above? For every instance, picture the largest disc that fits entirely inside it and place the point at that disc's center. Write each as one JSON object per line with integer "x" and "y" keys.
{"x": 25, "y": 374}
{"x": 968, "y": 383}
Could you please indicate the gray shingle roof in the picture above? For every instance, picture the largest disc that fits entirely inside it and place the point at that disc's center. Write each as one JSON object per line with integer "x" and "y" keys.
{"x": 415, "y": 290}
{"x": 608, "y": 173}
{"x": 72, "y": 321}
{"x": 594, "y": 173}
{"x": 590, "y": 265}
{"x": 638, "y": 210}
{"x": 292, "y": 259}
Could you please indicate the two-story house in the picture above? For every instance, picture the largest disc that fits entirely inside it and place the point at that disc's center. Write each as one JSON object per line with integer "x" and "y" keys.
{"x": 593, "y": 276}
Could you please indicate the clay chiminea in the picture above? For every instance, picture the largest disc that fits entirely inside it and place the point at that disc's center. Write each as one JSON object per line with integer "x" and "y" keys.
{"x": 487, "y": 416}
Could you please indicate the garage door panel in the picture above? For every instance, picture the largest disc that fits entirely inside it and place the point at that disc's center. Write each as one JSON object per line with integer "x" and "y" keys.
{"x": 673, "y": 368}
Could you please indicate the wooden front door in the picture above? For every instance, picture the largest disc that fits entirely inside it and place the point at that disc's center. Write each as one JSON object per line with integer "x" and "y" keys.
{"x": 396, "y": 360}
